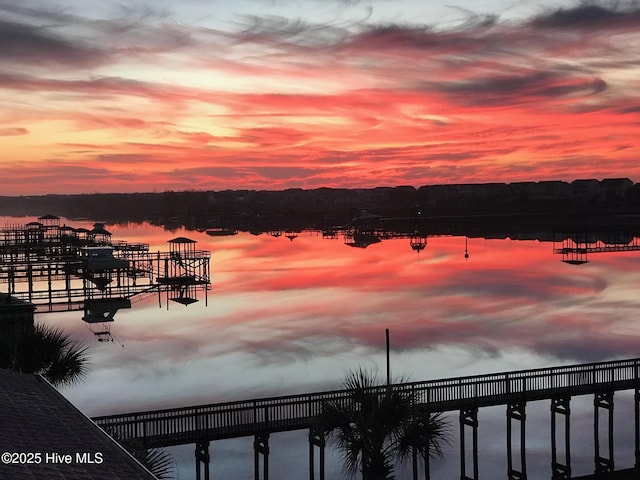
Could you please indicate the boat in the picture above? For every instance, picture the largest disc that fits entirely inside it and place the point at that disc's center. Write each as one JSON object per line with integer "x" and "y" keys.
{"x": 221, "y": 232}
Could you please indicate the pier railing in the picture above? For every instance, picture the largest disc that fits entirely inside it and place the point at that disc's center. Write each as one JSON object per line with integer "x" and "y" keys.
{"x": 249, "y": 417}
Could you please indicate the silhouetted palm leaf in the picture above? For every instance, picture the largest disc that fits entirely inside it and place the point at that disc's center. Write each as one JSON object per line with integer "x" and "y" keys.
{"x": 428, "y": 434}
{"x": 160, "y": 463}
{"x": 373, "y": 426}
{"x": 47, "y": 351}
{"x": 156, "y": 460}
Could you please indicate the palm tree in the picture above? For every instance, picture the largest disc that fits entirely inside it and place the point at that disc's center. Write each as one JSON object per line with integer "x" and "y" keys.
{"x": 160, "y": 463}
{"x": 425, "y": 435}
{"x": 44, "y": 350}
{"x": 373, "y": 427}
{"x": 156, "y": 460}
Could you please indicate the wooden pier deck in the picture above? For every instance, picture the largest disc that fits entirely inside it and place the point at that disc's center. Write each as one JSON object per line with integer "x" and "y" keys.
{"x": 217, "y": 421}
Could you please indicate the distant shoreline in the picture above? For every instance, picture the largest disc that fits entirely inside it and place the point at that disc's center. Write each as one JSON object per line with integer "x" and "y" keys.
{"x": 318, "y": 208}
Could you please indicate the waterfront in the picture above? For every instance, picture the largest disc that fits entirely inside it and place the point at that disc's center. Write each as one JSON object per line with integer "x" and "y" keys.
{"x": 291, "y": 316}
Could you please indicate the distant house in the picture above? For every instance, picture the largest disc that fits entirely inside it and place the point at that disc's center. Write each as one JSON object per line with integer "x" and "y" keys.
{"x": 585, "y": 190}
{"x": 615, "y": 188}
{"x": 547, "y": 190}
{"x": 524, "y": 190}
{"x": 554, "y": 190}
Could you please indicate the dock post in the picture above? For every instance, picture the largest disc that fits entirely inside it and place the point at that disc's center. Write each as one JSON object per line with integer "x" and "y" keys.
{"x": 469, "y": 417}
{"x": 603, "y": 400}
{"x": 202, "y": 460}
{"x": 561, "y": 471}
{"x": 316, "y": 439}
{"x": 636, "y": 398}
{"x": 261, "y": 447}
{"x": 414, "y": 463}
{"x": 516, "y": 411}
{"x": 415, "y": 458}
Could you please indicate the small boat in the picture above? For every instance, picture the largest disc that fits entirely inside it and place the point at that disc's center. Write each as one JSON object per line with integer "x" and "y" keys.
{"x": 221, "y": 232}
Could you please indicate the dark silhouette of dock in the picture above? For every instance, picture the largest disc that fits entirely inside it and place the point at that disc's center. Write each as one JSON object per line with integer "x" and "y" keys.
{"x": 61, "y": 268}
{"x": 202, "y": 424}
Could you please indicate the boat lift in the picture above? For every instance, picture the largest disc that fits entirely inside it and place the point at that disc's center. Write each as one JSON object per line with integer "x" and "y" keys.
{"x": 60, "y": 268}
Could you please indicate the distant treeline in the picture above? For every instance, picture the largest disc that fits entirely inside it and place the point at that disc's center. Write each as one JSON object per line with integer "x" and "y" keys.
{"x": 247, "y": 209}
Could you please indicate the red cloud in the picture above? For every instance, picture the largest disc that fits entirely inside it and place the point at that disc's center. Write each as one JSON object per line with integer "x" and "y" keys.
{"x": 13, "y": 131}
{"x": 280, "y": 104}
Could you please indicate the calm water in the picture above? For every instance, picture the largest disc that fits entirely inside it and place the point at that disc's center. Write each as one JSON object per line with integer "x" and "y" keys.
{"x": 293, "y": 316}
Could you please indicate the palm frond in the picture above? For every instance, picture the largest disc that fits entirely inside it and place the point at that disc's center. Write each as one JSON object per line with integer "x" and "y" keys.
{"x": 70, "y": 367}
{"x": 160, "y": 463}
{"x": 48, "y": 351}
{"x": 157, "y": 460}
{"x": 426, "y": 433}
{"x": 373, "y": 425}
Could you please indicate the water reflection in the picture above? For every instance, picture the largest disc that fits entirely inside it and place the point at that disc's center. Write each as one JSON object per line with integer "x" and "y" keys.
{"x": 304, "y": 288}
{"x": 291, "y": 313}
{"x": 286, "y": 306}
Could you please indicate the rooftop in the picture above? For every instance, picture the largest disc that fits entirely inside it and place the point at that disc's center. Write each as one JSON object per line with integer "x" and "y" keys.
{"x": 36, "y": 418}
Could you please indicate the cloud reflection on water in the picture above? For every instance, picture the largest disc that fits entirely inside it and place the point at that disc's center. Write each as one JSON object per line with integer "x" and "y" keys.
{"x": 288, "y": 317}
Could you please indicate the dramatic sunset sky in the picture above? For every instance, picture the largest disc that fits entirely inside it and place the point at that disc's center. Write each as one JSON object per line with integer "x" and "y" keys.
{"x": 123, "y": 96}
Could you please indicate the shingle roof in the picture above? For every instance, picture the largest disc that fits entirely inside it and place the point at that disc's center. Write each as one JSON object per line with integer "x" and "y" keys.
{"x": 36, "y": 418}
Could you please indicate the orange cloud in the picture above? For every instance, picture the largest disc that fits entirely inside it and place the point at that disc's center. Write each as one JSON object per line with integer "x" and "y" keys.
{"x": 13, "y": 131}
{"x": 273, "y": 103}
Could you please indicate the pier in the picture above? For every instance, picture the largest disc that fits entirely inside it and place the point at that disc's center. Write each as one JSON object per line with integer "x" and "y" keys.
{"x": 60, "y": 268}
{"x": 202, "y": 424}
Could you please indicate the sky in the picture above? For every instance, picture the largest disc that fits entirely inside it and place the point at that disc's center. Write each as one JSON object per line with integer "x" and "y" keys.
{"x": 135, "y": 96}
